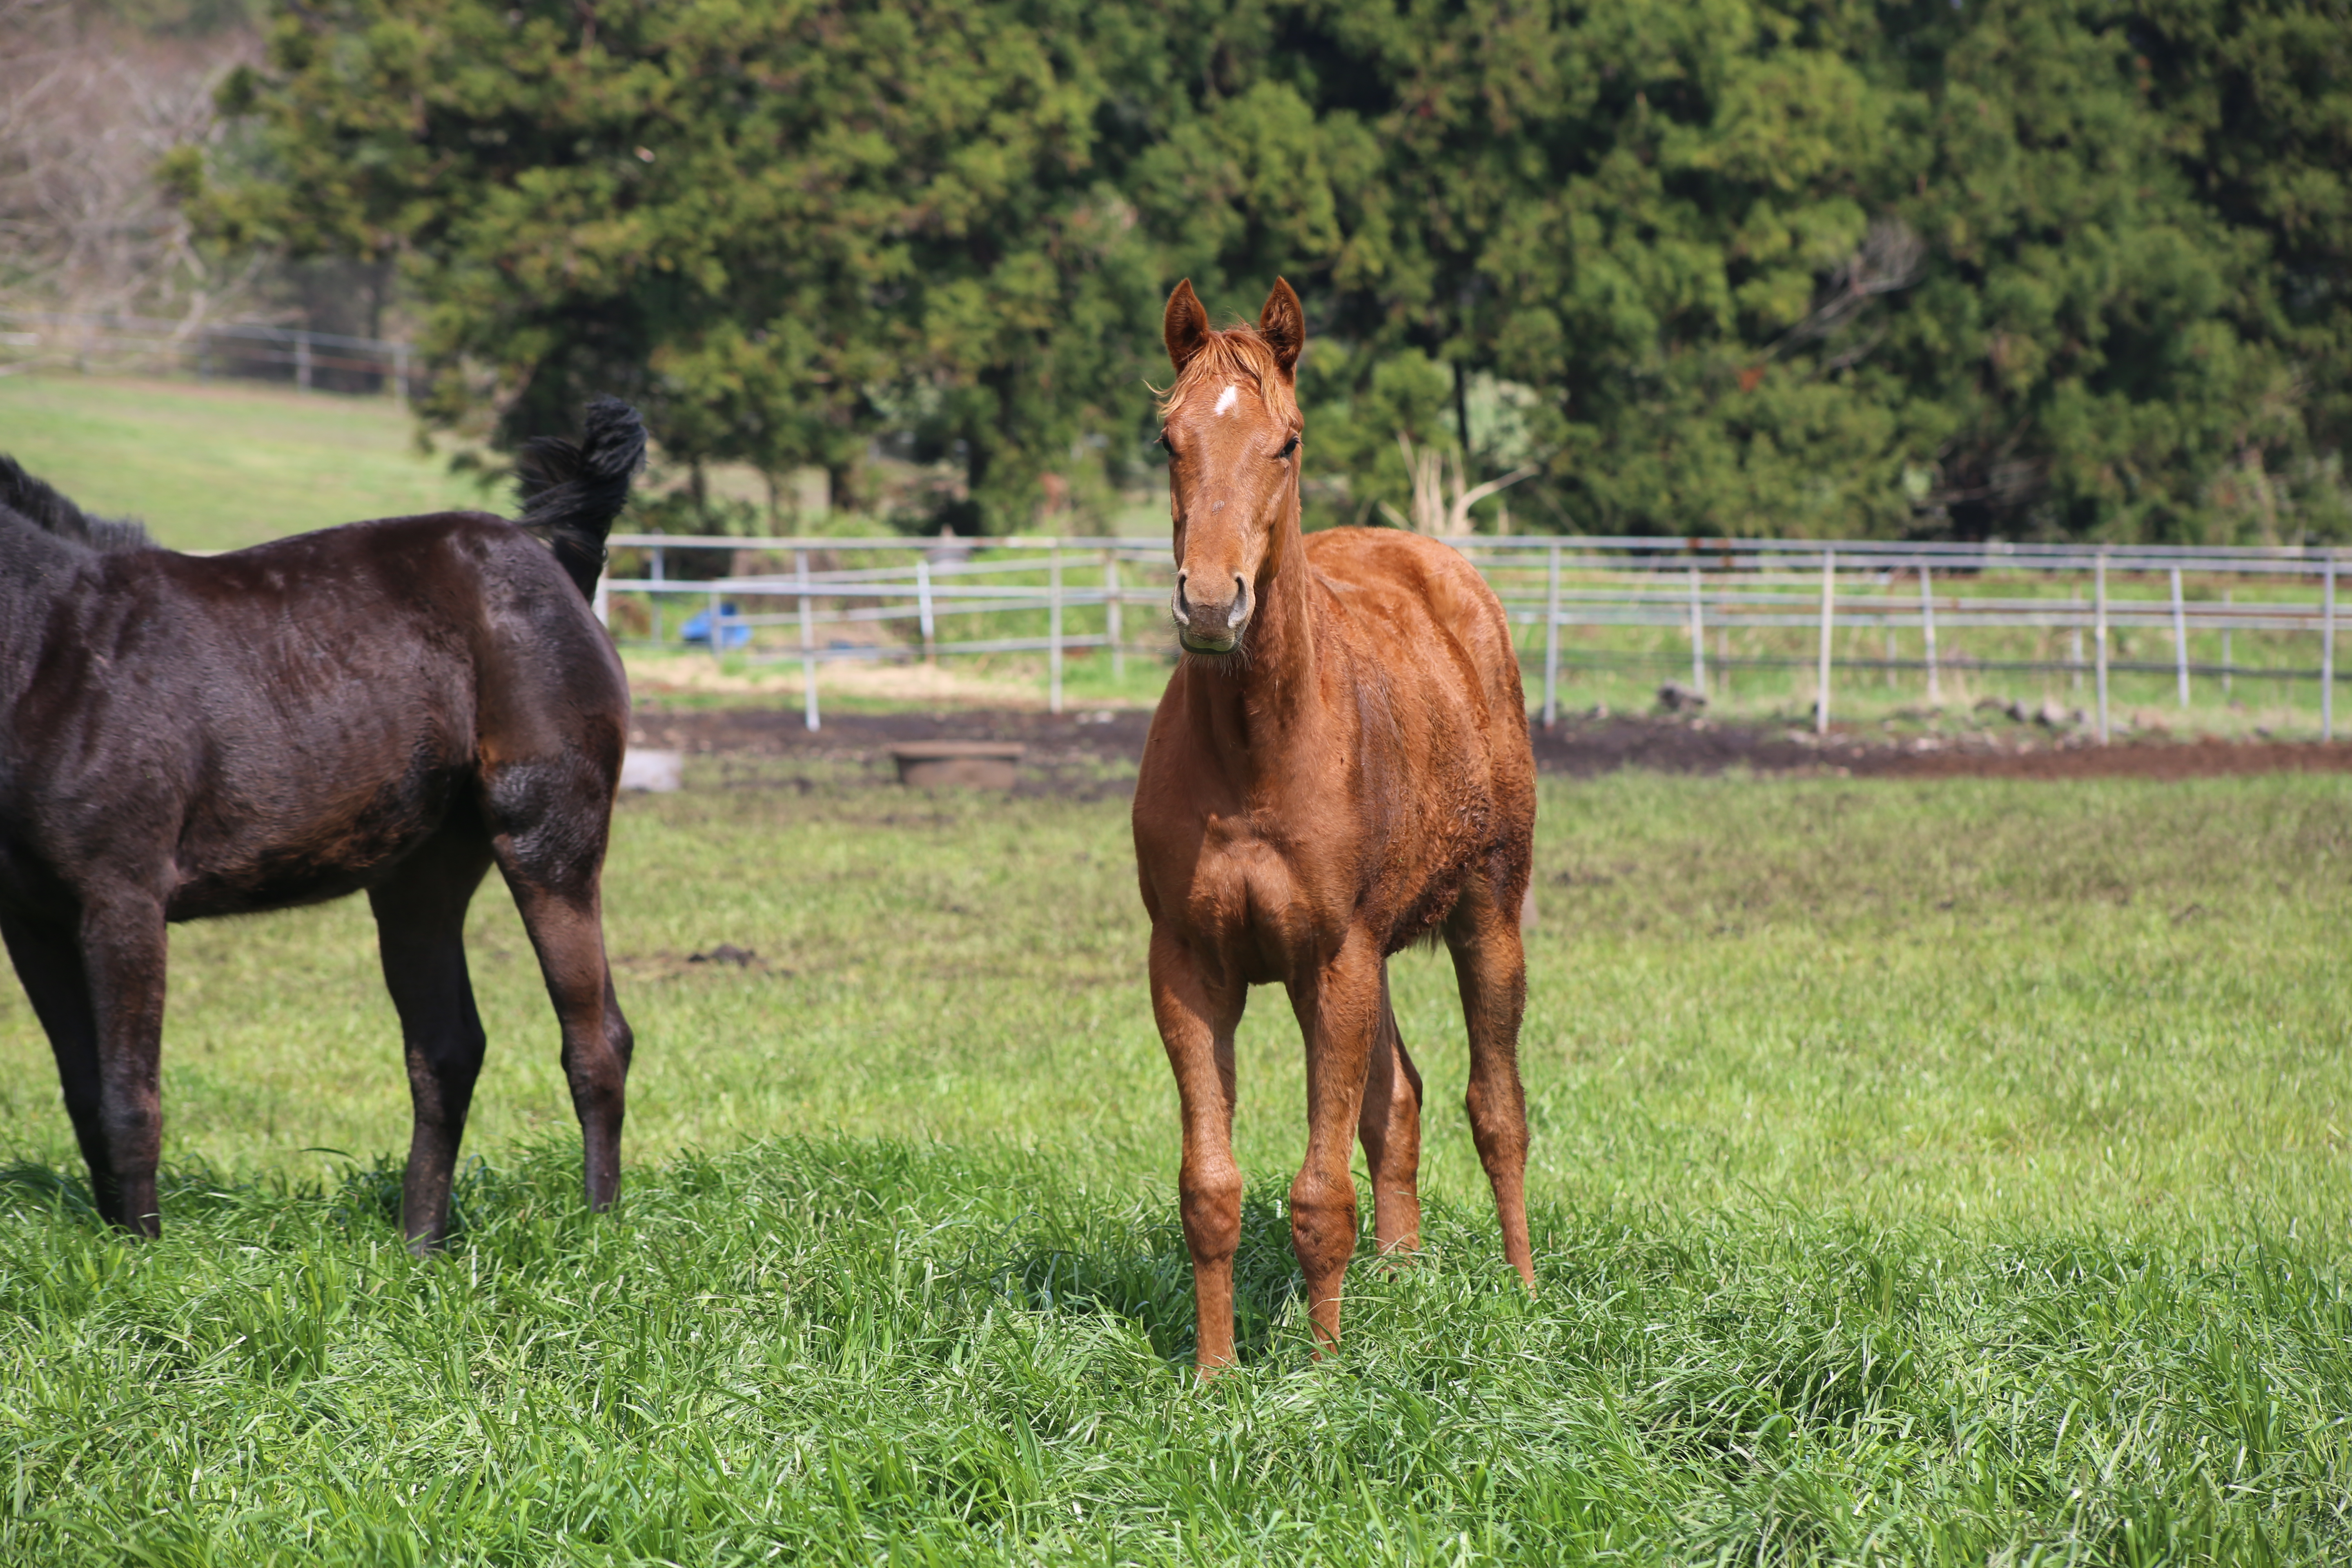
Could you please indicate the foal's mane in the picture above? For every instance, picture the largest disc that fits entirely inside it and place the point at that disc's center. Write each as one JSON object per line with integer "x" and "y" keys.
{"x": 41, "y": 506}
{"x": 1223, "y": 357}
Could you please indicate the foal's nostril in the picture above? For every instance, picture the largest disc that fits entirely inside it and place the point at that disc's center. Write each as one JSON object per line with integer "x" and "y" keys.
{"x": 1183, "y": 610}
{"x": 1240, "y": 611}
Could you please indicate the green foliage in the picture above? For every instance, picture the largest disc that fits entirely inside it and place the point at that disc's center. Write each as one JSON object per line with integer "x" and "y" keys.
{"x": 2002, "y": 268}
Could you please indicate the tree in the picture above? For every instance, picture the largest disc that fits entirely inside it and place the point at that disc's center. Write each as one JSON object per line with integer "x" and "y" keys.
{"x": 1714, "y": 267}
{"x": 778, "y": 229}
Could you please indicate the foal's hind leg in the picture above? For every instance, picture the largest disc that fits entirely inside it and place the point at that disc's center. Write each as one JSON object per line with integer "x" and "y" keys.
{"x": 553, "y": 854}
{"x": 1389, "y": 1126}
{"x": 420, "y": 932}
{"x": 1491, "y": 967}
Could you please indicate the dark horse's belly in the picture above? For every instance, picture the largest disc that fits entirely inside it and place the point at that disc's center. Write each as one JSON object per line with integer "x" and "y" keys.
{"x": 327, "y": 856}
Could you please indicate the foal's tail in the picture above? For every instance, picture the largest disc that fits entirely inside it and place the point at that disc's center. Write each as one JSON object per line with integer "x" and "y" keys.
{"x": 571, "y": 492}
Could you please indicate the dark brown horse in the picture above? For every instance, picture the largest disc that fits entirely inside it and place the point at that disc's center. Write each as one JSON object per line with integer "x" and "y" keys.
{"x": 1339, "y": 766}
{"x": 393, "y": 706}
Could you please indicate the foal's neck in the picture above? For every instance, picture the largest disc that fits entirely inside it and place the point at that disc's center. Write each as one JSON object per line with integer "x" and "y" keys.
{"x": 1259, "y": 705}
{"x": 34, "y": 567}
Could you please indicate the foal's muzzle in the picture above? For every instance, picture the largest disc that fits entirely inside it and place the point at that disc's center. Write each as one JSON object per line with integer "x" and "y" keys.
{"x": 1210, "y": 626}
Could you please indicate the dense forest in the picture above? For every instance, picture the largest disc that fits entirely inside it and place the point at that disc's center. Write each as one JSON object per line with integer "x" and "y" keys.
{"x": 1975, "y": 267}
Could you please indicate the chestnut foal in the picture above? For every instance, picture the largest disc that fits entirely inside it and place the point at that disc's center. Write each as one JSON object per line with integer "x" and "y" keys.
{"x": 1341, "y": 765}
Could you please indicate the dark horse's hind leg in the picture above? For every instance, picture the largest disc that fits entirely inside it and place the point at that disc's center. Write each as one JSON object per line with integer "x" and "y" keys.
{"x": 101, "y": 1000}
{"x": 554, "y": 869}
{"x": 1491, "y": 967}
{"x": 420, "y": 930}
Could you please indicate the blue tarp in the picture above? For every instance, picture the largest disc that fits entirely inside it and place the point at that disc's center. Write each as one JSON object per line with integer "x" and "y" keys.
{"x": 731, "y": 633}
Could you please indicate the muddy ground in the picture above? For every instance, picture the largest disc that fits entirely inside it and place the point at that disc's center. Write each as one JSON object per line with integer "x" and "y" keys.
{"x": 1094, "y": 750}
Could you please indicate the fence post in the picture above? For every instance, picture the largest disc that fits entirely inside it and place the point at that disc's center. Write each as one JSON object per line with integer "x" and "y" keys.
{"x": 400, "y": 371}
{"x": 2327, "y": 655}
{"x": 1111, "y": 617}
{"x": 1053, "y": 627}
{"x": 717, "y": 643}
{"x": 1927, "y": 624}
{"x": 923, "y": 607}
{"x": 1829, "y": 602}
{"x": 808, "y": 644}
{"x": 1551, "y": 644}
{"x": 302, "y": 360}
{"x": 2099, "y": 636}
{"x": 602, "y": 603}
{"x": 2179, "y": 639}
{"x": 1698, "y": 635}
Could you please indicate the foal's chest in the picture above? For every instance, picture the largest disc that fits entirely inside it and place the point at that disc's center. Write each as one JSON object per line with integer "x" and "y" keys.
{"x": 1255, "y": 902}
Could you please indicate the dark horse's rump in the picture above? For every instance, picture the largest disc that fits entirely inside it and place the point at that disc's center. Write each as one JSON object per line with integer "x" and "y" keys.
{"x": 389, "y": 706}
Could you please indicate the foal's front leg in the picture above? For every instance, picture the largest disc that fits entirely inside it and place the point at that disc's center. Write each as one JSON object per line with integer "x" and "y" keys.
{"x": 1339, "y": 1009}
{"x": 1197, "y": 1017}
{"x": 123, "y": 949}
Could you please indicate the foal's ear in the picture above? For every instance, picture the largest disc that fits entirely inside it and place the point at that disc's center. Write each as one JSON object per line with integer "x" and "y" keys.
{"x": 1185, "y": 327}
{"x": 1282, "y": 325}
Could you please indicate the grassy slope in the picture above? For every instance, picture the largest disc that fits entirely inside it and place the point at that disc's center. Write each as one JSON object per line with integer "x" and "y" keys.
{"x": 215, "y": 466}
{"x": 1922, "y": 1171}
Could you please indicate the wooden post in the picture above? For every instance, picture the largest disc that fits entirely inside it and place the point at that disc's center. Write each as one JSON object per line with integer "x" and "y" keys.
{"x": 808, "y": 643}
{"x": 302, "y": 360}
{"x": 2099, "y": 636}
{"x": 603, "y": 602}
{"x": 399, "y": 372}
{"x": 1927, "y": 627}
{"x": 2078, "y": 651}
{"x": 2327, "y": 653}
{"x": 1697, "y": 636}
{"x": 1053, "y": 627}
{"x": 717, "y": 648}
{"x": 1111, "y": 617}
{"x": 1829, "y": 604}
{"x": 923, "y": 608}
{"x": 2179, "y": 639}
{"x": 1551, "y": 644}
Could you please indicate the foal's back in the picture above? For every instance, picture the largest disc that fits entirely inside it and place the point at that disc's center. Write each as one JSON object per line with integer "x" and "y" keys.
{"x": 1420, "y": 649}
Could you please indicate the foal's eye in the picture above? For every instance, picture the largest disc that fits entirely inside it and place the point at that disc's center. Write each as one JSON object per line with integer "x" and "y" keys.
{"x": 1288, "y": 446}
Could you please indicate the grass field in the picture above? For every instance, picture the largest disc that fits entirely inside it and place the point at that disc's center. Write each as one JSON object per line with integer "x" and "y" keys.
{"x": 222, "y": 464}
{"x": 1936, "y": 1174}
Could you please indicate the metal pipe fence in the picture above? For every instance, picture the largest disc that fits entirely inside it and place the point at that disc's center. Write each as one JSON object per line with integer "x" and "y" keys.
{"x": 116, "y": 339}
{"x": 899, "y": 602}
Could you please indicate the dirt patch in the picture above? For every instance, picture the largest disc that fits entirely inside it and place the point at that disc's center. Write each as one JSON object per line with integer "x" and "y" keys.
{"x": 1074, "y": 751}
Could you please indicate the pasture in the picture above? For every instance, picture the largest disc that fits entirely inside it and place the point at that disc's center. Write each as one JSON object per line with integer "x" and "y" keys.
{"x": 1922, "y": 1172}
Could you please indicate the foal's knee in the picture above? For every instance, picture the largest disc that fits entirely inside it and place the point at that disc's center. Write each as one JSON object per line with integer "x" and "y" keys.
{"x": 1212, "y": 1206}
{"x": 1322, "y": 1219}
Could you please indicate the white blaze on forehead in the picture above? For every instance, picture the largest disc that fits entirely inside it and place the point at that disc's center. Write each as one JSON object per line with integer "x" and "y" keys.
{"x": 1226, "y": 399}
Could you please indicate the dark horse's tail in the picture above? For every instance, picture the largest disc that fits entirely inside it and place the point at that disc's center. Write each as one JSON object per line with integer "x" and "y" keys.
{"x": 571, "y": 492}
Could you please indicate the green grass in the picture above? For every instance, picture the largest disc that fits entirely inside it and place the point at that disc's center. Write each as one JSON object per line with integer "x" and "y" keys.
{"x": 222, "y": 464}
{"x": 1923, "y": 1173}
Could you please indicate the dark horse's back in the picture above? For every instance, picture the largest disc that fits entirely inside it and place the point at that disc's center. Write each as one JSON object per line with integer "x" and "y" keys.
{"x": 299, "y": 716}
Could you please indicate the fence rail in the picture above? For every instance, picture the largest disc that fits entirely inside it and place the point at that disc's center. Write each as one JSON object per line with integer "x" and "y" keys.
{"x": 207, "y": 347}
{"x": 1683, "y": 585}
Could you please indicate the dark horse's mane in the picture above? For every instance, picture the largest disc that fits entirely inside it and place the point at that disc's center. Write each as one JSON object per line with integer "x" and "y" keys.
{"x": 50, "y": 513}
